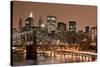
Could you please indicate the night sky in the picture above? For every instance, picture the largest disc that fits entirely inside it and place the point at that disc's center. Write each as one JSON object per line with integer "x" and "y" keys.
{"x": 83, "y": 15}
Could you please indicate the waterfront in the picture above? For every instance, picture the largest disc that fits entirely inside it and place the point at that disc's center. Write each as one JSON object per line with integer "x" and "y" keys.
{"x": 52, "y": 38}
{"x": 53, "y": 58}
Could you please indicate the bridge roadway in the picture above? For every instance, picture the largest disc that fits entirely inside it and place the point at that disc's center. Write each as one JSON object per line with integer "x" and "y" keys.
{"x": 62, "y": 48}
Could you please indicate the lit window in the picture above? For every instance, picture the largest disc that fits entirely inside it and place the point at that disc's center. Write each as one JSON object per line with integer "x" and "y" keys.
{"x": 48, "y": 18}
{"x": 42, "y": 25}
{"x": 53, "y": 18}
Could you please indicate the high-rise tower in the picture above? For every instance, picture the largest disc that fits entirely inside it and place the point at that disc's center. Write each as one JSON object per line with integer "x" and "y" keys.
{"x": 87, "y": 29}
{"x": 29, "y": 21}
{"x": 93, "y": 33}
{"x": 61, "y": 26}
{"x": 51, "y": 21}
{"x": 41, "y": 23}
{"x": 20, "y": 25}
{"x": 72, "y": 26}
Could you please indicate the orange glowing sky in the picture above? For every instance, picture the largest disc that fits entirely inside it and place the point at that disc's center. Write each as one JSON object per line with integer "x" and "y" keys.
{"x": 83, "y": 15}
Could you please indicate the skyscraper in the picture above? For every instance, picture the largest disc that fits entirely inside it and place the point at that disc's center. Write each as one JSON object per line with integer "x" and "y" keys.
{"x": 40, "y": 21}
{"x": 61, "y": 26}
{"x": 20, "y": 25}
{"x": 51, "y": 23}
{"x": 93, "y": 33}
{"x": 62, "y": 34}
{"x": 72, "y": 26}
{"x": 87, "y": 29}
{"x": 29, "y": 21}
{"x": 41, "y": 24}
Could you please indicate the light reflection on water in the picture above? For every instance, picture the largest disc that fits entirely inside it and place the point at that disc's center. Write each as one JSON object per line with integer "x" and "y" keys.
{"x": 61, "y": 59}
{"x": 53, "y": 60}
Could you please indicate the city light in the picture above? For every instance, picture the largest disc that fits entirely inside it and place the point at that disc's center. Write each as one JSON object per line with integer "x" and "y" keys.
{"x": 53, "y": 40}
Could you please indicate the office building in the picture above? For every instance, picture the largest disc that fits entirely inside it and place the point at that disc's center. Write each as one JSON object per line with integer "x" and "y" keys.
{"x": 20, "y": 25}
{"x": 93, "y": 33}
{"x": 51, "y": 24}
{"x": 72, "y": 26}
{"x": 61, "y": 26}
{"x": 87, "y": 29}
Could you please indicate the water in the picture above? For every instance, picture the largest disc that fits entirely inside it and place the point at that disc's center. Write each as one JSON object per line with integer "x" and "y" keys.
{"x": 45, "y": 59}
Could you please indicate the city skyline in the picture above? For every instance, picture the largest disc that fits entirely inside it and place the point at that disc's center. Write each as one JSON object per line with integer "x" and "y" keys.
{"x": 50, "y": 33}
{"x": 83, "y": 15}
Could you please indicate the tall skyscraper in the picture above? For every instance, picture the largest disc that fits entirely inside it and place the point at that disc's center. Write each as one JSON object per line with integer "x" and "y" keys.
{"x": 62, "y": 33}
{"x": 41, "y": 23}
{"x": 20, "y": 25}
{"x": 51, "y": 23}
{"x": 93, "y": 33}
{"x": 72, "y": 26}
{"x": 87, "y": 29}
{"x": 61, "y": 26}
{"x": 29, "y": 21}
{"x": 71, "y": 37}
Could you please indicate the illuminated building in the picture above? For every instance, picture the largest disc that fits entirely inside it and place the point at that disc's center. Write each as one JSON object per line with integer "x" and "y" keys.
{"x": 61, "y": 26}
{"x": 71, "y": 37}
{"x": 20, "y": 25}
{"x": 72, "y": 26}
{"x": 51, "y": 23}
{"x": 29, "y": 22}
{"x": 93, "y": 33}
{"x": 41, "y": 24}
{"x": 87, "y": 29}
{"x": 62, "y": 31}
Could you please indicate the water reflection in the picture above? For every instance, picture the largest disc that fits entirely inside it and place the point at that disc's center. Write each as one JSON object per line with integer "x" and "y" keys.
{"x": 19, "y": 59}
